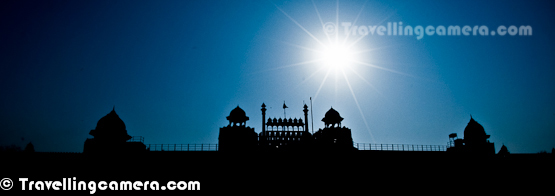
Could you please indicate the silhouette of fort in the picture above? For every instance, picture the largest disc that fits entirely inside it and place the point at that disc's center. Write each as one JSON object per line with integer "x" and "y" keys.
{"x": 283, "y": 155}
{"x": 289, "y": 135}
{"x": 282, "y": 134}
{"x": 292, "y": 136}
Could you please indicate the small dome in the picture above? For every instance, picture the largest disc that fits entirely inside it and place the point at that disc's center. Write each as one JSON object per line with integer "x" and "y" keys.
{"x": 110, "y": 121}
{"x": 332, "y": 116}
{"x": 474, "y": 131}
{"x": 110, "y": 126}
{"x": 237, "y": 115}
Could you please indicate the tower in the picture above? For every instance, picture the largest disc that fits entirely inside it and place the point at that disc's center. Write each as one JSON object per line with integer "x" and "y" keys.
{"x": 237, "y": 136}
{"x": 305, "y": 118}
{"x": 333, "y": 136}
{"x": 263, "y": 118}
{"x": 475, "y": 141}
{"x": 237, "y": 117}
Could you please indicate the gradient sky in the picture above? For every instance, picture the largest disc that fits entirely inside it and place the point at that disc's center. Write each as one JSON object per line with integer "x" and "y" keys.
{"x": 175, "y": 69}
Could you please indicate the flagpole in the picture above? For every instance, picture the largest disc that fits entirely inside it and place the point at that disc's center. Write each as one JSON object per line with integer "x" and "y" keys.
{"x": 284, "y": 106}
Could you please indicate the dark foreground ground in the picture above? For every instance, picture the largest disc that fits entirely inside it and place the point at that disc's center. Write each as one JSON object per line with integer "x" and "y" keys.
{"x": 360, "y": 172}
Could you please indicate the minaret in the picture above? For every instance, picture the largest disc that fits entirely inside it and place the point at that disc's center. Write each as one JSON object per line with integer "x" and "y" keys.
{"x": 305, "y": 118}
{"x": 263, "y": 119}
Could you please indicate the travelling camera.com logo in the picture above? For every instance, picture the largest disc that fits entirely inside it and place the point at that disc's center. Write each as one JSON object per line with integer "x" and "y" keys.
{"x": 398, "y": 29}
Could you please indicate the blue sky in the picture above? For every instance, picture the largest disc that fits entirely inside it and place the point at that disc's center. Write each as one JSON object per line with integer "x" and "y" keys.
{"x": 175, "y": 69}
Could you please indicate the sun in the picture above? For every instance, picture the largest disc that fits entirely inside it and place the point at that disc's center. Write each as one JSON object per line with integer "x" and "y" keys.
{"x": 336, "y": 56}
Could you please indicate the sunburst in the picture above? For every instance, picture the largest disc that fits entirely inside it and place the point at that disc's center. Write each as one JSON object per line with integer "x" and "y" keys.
{"x": 338, "y": 56}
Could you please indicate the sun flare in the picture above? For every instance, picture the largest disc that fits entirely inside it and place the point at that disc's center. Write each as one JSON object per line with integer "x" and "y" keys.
{"x": 336, "y": 56}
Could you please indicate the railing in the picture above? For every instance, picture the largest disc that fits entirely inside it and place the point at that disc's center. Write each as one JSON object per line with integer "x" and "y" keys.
{"x": 137, "y": 139}
{"x": 359, "y": 146}
{"x": 182, "y": 147}
{"x": 399, "y": 147}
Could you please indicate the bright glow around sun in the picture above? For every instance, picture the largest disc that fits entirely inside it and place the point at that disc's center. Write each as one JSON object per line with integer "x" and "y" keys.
{"x": 336, "y": 56}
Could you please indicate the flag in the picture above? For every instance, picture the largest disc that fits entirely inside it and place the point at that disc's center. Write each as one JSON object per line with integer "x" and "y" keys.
{"x": 284, "y": 106}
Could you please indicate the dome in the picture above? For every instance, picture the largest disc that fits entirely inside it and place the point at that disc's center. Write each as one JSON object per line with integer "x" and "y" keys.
{"x": 238, "y": 112}
{"x": 110, "y": 121}
{"x": 110, "y": 126}
{"x": 332, "y": 117}
{"x": 237, "y": 115}
{"x": 474, "y": 131}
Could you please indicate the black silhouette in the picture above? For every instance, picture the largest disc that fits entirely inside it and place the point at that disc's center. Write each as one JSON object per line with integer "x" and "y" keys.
{"x": 503, "y": 152}
{"x": 333, "y": 136}
{"x": 290, "y": 135}
{"x": 110, "y": 136}
{"x": 284, "y": 151}
{"x": 282, "y": 134}
{"x": 29, "y": 148}
{"x": 475, "y": 140}
{"x": 237, "y": 136}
